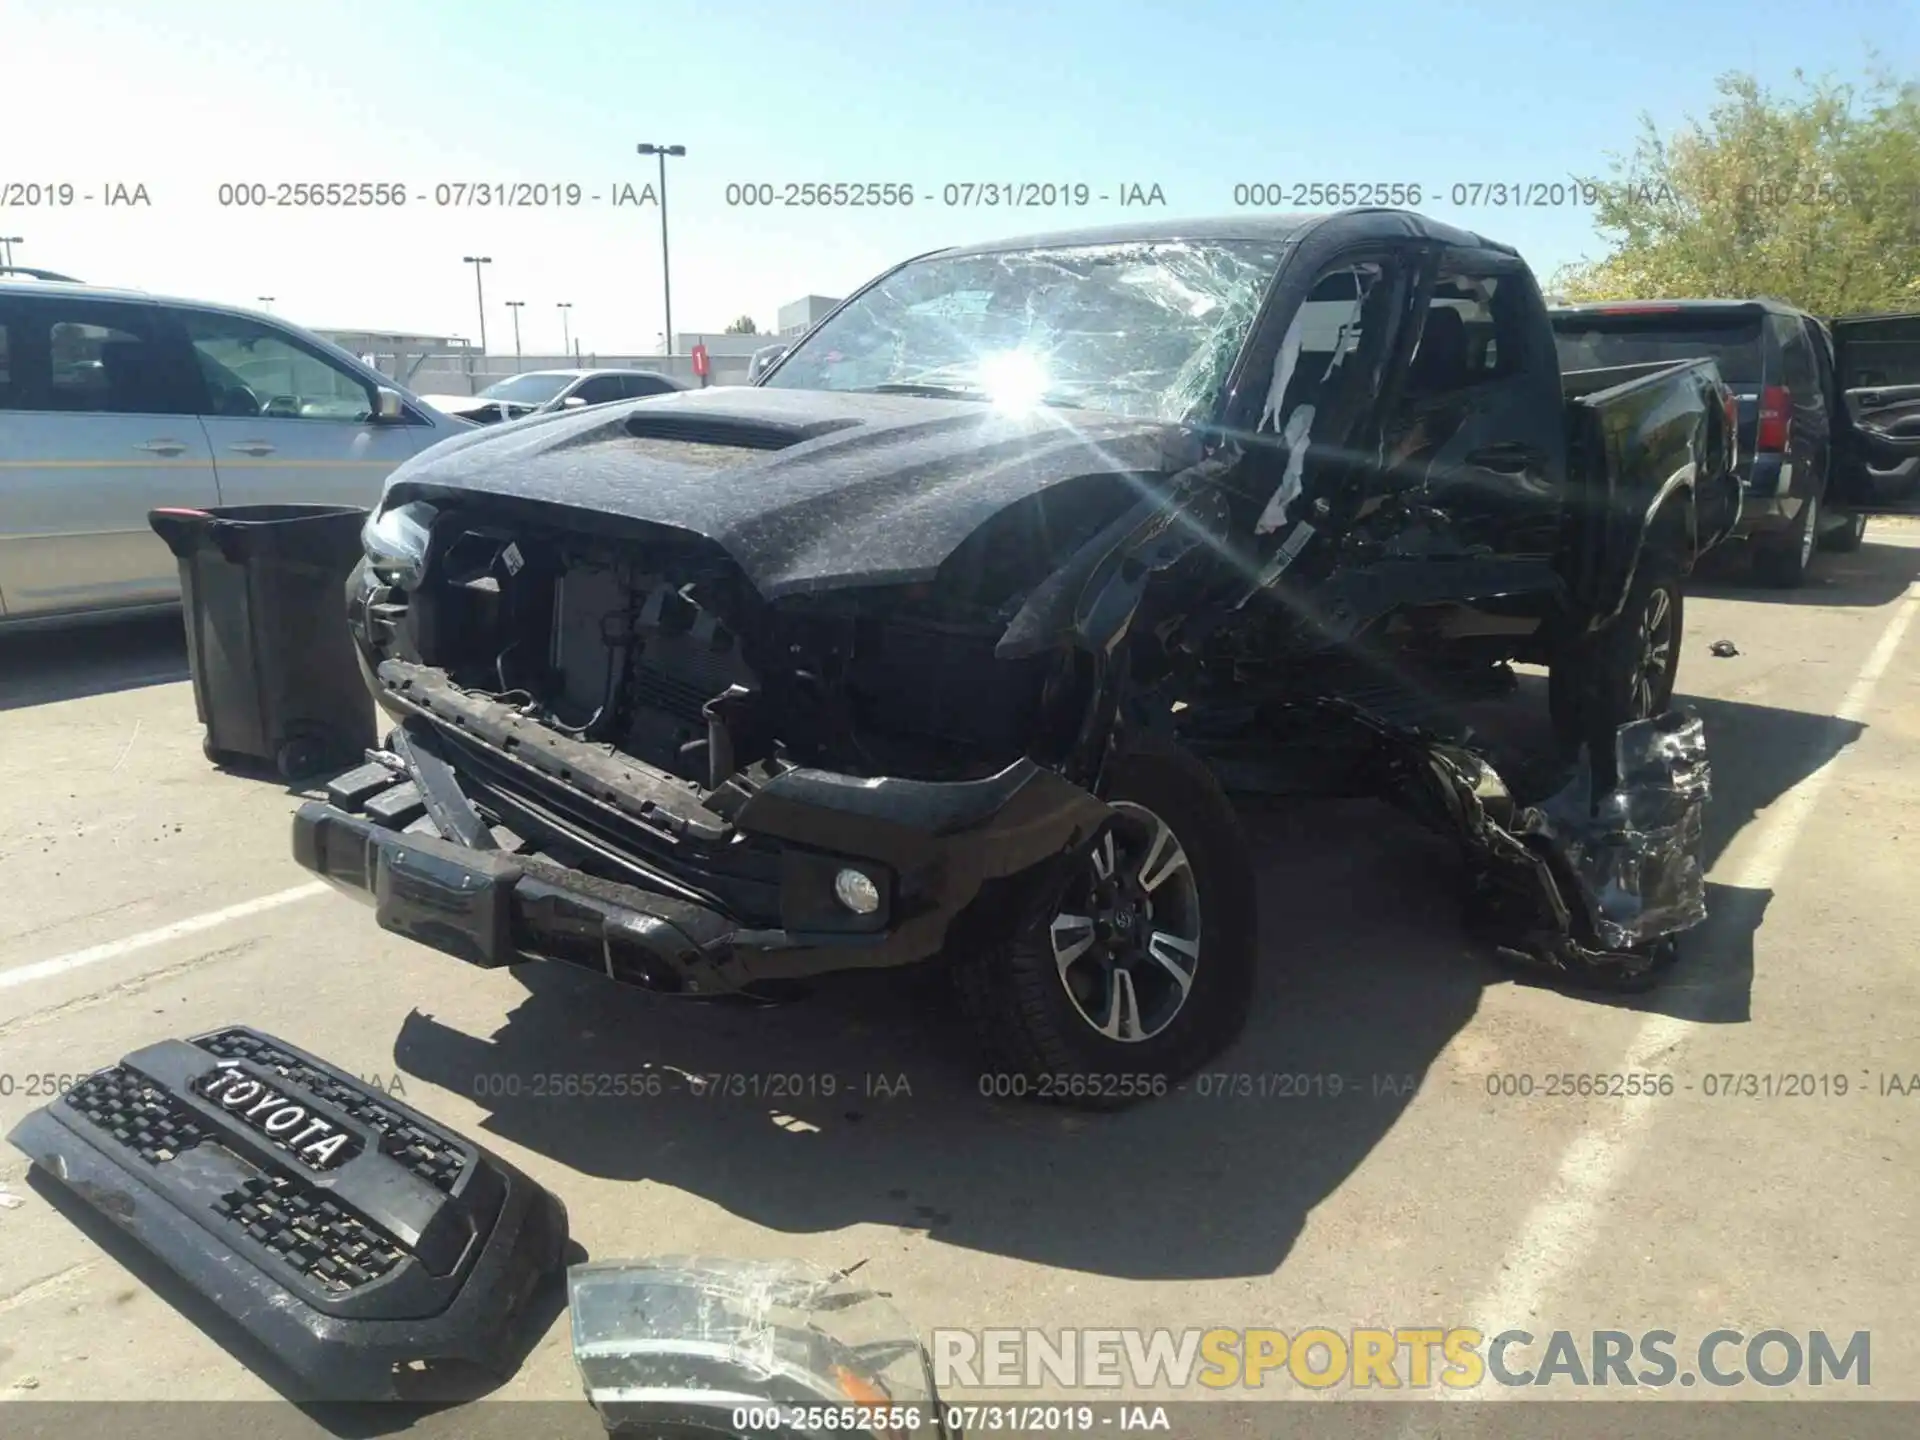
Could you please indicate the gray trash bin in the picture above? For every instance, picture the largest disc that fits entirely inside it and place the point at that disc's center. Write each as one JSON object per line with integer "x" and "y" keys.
{"x": 275, "y": 677}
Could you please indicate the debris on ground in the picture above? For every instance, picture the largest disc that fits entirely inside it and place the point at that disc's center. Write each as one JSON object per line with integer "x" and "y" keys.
{"x": 9, "y": 1200}
{"x": 1723, "y": 648}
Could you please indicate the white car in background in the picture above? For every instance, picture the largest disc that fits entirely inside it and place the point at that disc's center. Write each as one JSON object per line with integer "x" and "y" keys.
{"x": 536, "y": 392}
{"x": 114, "y": 403}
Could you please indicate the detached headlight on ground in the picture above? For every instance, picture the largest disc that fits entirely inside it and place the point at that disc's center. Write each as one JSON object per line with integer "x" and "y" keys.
{"x": 855, "y": 890}
{"x": 709, "y": 1344}
{"x": 396, "y": 543}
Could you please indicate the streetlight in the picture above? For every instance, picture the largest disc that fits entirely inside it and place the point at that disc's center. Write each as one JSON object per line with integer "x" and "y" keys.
{"x": 264, "y": 299}
{"x": 514, "y": 305}
{"x": 9, "y": 241}
{"x": 480, "y": 295}
{"x": 666, "y": 276}
{"x": 566, "y": 331}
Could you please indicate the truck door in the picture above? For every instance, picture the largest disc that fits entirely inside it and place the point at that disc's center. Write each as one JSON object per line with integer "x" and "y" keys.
{"x": 1876, "y": 449}
{"x": 1474, "y": 439}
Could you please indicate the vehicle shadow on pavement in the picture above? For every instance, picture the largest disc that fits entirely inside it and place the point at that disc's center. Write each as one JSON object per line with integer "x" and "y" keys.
{"x": 1875, "y": 574}
{"x": 46, "y": 667}
{"x": 1214, "y": 1179}
{"x": 864, "y": 1102}
{"x": 1758, "y": 754}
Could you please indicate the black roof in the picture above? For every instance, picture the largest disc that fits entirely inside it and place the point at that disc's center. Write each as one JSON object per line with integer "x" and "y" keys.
{"x": 1277, "y": 228}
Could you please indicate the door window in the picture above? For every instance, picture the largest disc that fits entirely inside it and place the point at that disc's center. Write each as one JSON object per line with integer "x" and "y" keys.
{"x": 86, "y": 357}
{"x": 250, "y": 369}
{"x": 599, "y": 390}
{"x": 638, "y": 386}
{"x": 1471, "y": 338}
{"x": 1796, "y": 357}
{"x": 1325, "y": 378}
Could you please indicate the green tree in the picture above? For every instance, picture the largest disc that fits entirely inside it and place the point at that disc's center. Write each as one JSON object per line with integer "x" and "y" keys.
{"x": 743, "y": 326}
{"x": 1812, "y": 198}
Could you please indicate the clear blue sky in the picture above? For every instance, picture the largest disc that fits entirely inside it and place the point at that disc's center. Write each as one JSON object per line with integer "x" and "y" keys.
{"x": 1192, "y": 96}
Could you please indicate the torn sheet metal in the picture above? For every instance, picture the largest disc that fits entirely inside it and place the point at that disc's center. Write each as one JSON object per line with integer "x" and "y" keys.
{"x": 686, "y": 1341}
{"x": 1307, "y": 330}
{"x": 1595, "y": 890}
{"x": 1636, "y": 854}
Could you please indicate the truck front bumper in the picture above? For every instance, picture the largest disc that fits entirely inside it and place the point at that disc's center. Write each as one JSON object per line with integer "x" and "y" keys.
{"x": 928, "y": 849}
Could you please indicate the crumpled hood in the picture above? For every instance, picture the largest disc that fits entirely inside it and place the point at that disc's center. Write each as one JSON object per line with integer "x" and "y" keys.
{"x": 805, "y": 489}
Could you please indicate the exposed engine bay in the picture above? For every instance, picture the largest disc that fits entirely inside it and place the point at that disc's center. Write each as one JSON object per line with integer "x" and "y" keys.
{"x": 659, "y": 649}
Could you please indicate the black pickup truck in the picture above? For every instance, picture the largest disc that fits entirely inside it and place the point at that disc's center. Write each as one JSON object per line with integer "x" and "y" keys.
{"x": 1829, "y": 410}
{"x": 945, "y": 639}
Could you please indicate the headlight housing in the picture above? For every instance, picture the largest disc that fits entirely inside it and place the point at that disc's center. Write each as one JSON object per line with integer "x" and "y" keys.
{"x": 396, "y": 543}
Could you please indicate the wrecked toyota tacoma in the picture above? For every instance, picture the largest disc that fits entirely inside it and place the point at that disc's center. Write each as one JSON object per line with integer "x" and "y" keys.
{"x": 946, "y": 639}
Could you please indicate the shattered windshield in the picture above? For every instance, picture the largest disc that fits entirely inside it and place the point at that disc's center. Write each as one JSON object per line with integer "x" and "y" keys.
{"x": 1137, "y": 329}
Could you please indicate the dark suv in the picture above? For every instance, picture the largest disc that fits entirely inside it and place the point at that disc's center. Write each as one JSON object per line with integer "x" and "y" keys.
{"x": 1806, "y": 435}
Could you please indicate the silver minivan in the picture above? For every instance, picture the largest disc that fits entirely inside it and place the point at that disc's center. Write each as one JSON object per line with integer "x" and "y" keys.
{"x": 113, "y": 403}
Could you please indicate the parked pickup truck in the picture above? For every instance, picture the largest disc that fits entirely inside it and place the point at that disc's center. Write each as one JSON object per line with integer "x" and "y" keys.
{"x": 1829, "y": 410}
{"x": 939, "y": 641}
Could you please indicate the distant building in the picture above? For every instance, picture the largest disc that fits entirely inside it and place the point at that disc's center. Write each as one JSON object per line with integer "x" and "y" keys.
{"x": 803, "y": 313}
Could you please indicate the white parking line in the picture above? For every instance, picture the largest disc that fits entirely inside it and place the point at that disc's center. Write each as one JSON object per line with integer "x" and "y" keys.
{"x": 1557, "y": 1231}
{"x": 147, "y": 939}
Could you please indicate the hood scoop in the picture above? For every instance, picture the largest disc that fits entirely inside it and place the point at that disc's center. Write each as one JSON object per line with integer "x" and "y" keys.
{"x": 728, "y": 431}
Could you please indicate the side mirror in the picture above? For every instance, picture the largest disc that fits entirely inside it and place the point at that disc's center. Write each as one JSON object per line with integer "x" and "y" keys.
{"x": 388, "y": 407}
{"x": 573, "y": 402}
{"x": 763, "y": 361}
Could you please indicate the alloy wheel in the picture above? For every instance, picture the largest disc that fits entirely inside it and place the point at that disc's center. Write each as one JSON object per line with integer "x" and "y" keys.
{"x": 1126, "y": 940}
{"x": 1656, "y": 653}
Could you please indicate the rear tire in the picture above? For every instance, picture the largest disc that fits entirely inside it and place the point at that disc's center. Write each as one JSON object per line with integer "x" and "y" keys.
{"x": 1627, "y": 671}
{"x": 1782, "y": 560}
{"x": 1140, "y": 966}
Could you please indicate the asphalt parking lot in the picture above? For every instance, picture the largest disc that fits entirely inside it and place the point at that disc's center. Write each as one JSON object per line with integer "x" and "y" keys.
{"x": 148, "y": 895}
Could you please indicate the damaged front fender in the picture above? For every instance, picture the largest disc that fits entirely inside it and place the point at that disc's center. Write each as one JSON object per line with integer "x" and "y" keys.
{"x": 1091, "y": 600}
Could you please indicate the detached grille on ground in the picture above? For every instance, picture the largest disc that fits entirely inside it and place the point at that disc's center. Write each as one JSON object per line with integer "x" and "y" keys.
{"x": 312, "y": 1234}
{"x": 351, "y": 1235}
{"x": 434, "y": 1161}
{"x": 137, "y": 1113}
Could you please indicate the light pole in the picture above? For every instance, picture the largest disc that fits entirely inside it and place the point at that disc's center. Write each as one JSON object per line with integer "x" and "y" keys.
{"x": 514, "y": 305}
{"x": 9, "y": 241}
{"x": 566, "y": 331}
{"x": 666, "y": 274}
{"x": 264, "y": 299}
{"x": 479, "y": 294}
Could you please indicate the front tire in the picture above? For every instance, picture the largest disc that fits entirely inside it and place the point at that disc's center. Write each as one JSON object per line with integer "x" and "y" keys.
{"x": 1139, "y": 967}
